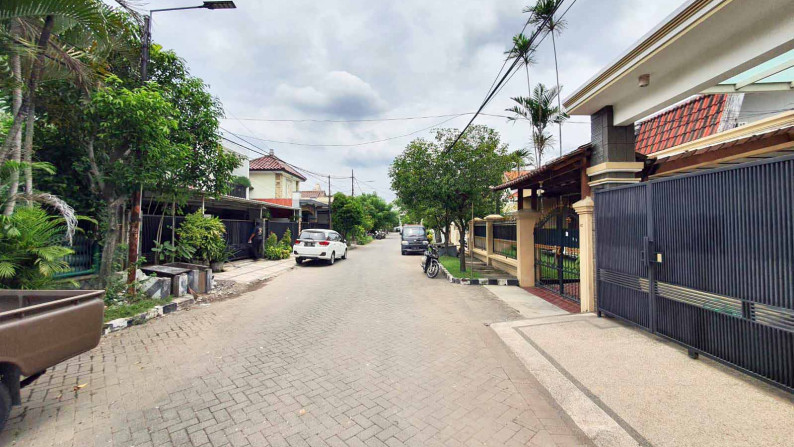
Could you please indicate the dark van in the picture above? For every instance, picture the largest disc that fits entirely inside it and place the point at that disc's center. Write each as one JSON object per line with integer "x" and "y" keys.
{"x": 414, "y": 239}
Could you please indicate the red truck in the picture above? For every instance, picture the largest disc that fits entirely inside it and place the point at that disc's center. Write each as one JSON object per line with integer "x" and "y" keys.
{"x": 38, "y": 330}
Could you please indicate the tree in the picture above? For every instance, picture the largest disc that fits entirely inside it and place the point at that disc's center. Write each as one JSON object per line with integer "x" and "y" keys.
{"x": 378, "y": 214}
{"x": 452, "y": 182}
{"x": 126, "y": 142}
{"x": 348, "y": 214}
{"x": 542, "y": 13}
{"x": 539, "y": 110}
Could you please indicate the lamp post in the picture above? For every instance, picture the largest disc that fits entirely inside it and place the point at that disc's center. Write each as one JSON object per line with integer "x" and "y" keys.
{"x": 137, "y": 195}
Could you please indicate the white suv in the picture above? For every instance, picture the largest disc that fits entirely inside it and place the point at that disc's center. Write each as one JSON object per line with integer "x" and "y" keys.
{"x": 319, "y": 244}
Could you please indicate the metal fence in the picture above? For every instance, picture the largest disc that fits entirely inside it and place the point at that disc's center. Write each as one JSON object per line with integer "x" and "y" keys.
{"x": 480, "y": 233}
{"x": 84, "y": 260}
{"x": 504, "y": 239}
{"x": 237, "y": 234}
{"x": 281, "y": 227}
{"x": 705, "y": 260}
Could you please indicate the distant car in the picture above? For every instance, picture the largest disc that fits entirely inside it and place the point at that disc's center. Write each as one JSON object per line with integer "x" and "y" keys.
{"x": 414, "y": 239}
{"x": 319, "y": 244}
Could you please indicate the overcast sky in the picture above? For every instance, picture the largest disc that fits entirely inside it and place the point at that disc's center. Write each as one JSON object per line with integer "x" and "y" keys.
{"x": 355, "y": 59}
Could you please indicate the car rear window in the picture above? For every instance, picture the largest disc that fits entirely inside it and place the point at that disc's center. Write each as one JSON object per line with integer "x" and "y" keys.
{"x": 312, "y": 236}
{"x": 414, "y": 231}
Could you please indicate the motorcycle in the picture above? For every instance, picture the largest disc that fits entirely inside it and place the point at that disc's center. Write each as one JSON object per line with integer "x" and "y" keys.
{"x": 430, "y": 262}
{"x": 380, "y": 234}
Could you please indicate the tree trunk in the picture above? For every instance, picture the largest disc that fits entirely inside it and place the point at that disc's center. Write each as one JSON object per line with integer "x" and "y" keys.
{"x": 16, "y": 139}
{"x": 559, "y": 94}
{"x": 446, "y": 235}
{"x": 173, "y": 226}
{"x": 27, "y": 152}
{"x": 111, "y": 237}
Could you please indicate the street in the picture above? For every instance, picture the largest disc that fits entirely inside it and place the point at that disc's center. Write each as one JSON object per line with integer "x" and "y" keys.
{"x": 365, "y": 352}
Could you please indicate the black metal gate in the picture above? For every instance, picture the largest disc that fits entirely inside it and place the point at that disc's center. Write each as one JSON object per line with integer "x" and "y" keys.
{"x": 706, "y": 260}
{"x": 557, "y": 253}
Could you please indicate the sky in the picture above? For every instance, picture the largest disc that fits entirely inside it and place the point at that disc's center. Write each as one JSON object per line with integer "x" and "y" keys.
{"x": 347, "y": 60}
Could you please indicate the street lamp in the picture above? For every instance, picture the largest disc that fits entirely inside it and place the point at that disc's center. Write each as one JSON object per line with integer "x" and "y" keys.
{"x": 137, "y": 196}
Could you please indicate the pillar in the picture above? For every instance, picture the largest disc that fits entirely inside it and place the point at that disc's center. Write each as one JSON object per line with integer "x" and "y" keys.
{"x": 584, "y": 208}
{"x": 525, "y": 235}
{"x": 612, "y": 161}
{"x": 489, "y": 220}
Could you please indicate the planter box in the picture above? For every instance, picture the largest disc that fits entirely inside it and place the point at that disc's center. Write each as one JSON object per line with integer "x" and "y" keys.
{"x": 199, "y": 277}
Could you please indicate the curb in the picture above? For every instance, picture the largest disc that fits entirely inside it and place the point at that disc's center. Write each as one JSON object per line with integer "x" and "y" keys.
{"x": 157, "y": 311}
{"x": 477, "y": 281}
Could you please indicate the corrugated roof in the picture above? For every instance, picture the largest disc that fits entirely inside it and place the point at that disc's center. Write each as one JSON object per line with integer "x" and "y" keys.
{"x": 273, "y": 163}
{"x": 694, "y": 119}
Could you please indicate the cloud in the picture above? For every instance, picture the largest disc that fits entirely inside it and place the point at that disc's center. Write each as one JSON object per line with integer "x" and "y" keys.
{"x": 339, "y": 94}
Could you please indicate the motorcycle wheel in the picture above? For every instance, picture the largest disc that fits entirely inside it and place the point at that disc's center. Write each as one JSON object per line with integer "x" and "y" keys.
{"x": 432, "y": 270}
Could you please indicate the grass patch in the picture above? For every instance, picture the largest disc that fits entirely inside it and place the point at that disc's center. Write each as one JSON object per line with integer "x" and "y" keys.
{"x": 550, "y": 273}
{"x": 133, "y": 308}
{"x": 363, "y": 240}
{"x": 452, "y": 264}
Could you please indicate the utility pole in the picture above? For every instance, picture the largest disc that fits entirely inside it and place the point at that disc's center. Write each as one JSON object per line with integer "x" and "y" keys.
{"x": 352, "y": 189}
{"x": 137, "y": 195}
{"x": 330, "y": 220}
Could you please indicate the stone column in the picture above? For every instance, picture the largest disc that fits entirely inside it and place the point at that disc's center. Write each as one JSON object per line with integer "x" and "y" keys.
{"x": 525, "y": 235}
{"x": 584, "y": 208}
{"x": 489, "y": 220}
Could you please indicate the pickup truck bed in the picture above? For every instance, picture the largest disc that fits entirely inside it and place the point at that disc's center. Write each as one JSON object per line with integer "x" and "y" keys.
{"x": 41, "y": 328}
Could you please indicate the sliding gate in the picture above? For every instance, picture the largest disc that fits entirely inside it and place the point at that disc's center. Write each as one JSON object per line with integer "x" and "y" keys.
{"x": 706, "y": 260}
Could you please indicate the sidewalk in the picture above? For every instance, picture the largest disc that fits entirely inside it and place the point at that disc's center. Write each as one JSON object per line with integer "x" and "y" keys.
{"x": 624, "y": 386}
{"x": 248, "y": 271}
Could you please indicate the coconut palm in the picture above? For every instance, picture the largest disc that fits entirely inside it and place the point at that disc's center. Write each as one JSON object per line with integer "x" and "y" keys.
{"x": 45, "y": 40}
{"x": 542, "y": 13}
{"x": 539, "y": 110}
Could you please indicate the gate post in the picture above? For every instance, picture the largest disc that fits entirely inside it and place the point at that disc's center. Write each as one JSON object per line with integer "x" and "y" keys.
{"x": 526, "y": 220}
{"x": 584, "y": 208}
{"x": 489, "y": 220}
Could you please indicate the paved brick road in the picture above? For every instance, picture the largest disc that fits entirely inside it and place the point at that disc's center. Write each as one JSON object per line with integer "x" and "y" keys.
{"x": 366, "y": 352}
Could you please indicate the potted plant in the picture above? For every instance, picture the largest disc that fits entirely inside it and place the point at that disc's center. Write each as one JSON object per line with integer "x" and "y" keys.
{"x": 219, "y": 256}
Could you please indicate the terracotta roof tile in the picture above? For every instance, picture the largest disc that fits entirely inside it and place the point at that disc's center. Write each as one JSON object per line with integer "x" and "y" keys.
{"x": 696, "y": 118}
{"x": 273, "y": 163}
{"x": 312, "y": 194}
{"x": 283, "y": 202}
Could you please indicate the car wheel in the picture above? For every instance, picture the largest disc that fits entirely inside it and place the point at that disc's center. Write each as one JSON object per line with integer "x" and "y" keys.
{"x": 344, "y": 256}
{"x": 333, "y": 258}
{"x": 5, "y": 405}
{"x": 402, "y": 253}
{"x": 298, "y": 260}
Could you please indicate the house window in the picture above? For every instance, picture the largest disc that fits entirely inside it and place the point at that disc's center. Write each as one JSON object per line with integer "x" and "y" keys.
{"x": 279, "y": 192}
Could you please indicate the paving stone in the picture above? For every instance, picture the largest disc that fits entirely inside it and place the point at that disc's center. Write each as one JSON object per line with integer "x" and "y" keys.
{"x": 365, "y": 352}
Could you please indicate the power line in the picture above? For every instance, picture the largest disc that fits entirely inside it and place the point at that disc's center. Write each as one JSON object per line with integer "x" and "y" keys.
{"x": 363, "y": 120}
{"x": 496, "y": 88}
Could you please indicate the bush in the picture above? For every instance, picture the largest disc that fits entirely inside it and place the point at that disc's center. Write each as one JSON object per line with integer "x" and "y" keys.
{"x": 31, "y": 249}
{"x": 286, "y": 241}
{"x": 204, "y": 234}
{"x": 275, "y": 250}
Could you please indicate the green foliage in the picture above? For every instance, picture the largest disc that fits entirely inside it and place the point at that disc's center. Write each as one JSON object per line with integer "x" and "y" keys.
{"x": 167, "y": 251}
{"x": 363, "y": 240}
{"x": 378, "y": 215}
{"x": 205, "y": 235}
{"x": 30, "y": 249}
{"x": 133, "y": 308}
{"x": 348, "y": 213}
{"x": 539, "y": 110}
{"x": 275, "y": 250}
{"x": 241, "y": 180}
{"x": 286, "y": 240}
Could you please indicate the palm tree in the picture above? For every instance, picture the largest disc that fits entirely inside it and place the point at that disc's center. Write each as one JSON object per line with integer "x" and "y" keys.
{"x": 542, "y": 13}
{"x": 44, "y": 39}
{"x": 539, "y": 110}
{"x": 522, "y": 49}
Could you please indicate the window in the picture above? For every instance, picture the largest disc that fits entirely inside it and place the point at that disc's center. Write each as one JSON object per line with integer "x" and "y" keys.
{"x": 413, "y": 231}
{"x": 307, "y": 235}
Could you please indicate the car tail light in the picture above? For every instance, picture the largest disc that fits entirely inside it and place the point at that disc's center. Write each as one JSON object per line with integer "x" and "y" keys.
{"x": 324, "y": 243}
{"x": 297, "y": 242}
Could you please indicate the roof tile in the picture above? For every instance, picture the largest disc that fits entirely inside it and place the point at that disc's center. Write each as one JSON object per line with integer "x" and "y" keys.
{"x": 694, "y": 119}
{"x": 273, "y": 163}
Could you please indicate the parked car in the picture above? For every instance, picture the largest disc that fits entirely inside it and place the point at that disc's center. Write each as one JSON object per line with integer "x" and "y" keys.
{"x": 319, "y": 244}
{"x": 414, "y": 239}
{"x": 38, "y": 330}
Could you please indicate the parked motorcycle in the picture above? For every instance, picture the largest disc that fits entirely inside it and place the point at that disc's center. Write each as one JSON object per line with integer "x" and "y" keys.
{"x": 430, "y": 262}
{"x": 380, "y": 234}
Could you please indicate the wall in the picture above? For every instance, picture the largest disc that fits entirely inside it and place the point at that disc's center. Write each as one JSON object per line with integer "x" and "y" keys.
{"x": 264, "y": 184}
{"x": 757, "y": 106}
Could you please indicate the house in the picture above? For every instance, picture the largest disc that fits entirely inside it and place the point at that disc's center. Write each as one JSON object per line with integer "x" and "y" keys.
{"x": 675, "y": 217}
{"x": 314, "y": 208}
{"x": 276, "y": 182}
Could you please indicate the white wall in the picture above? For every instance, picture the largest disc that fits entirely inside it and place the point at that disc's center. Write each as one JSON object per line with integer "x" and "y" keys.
{"x": 760, "y": 105}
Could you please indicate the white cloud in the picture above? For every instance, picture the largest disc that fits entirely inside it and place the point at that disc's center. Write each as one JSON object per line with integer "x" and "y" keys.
{"x": 339, "y": 94}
